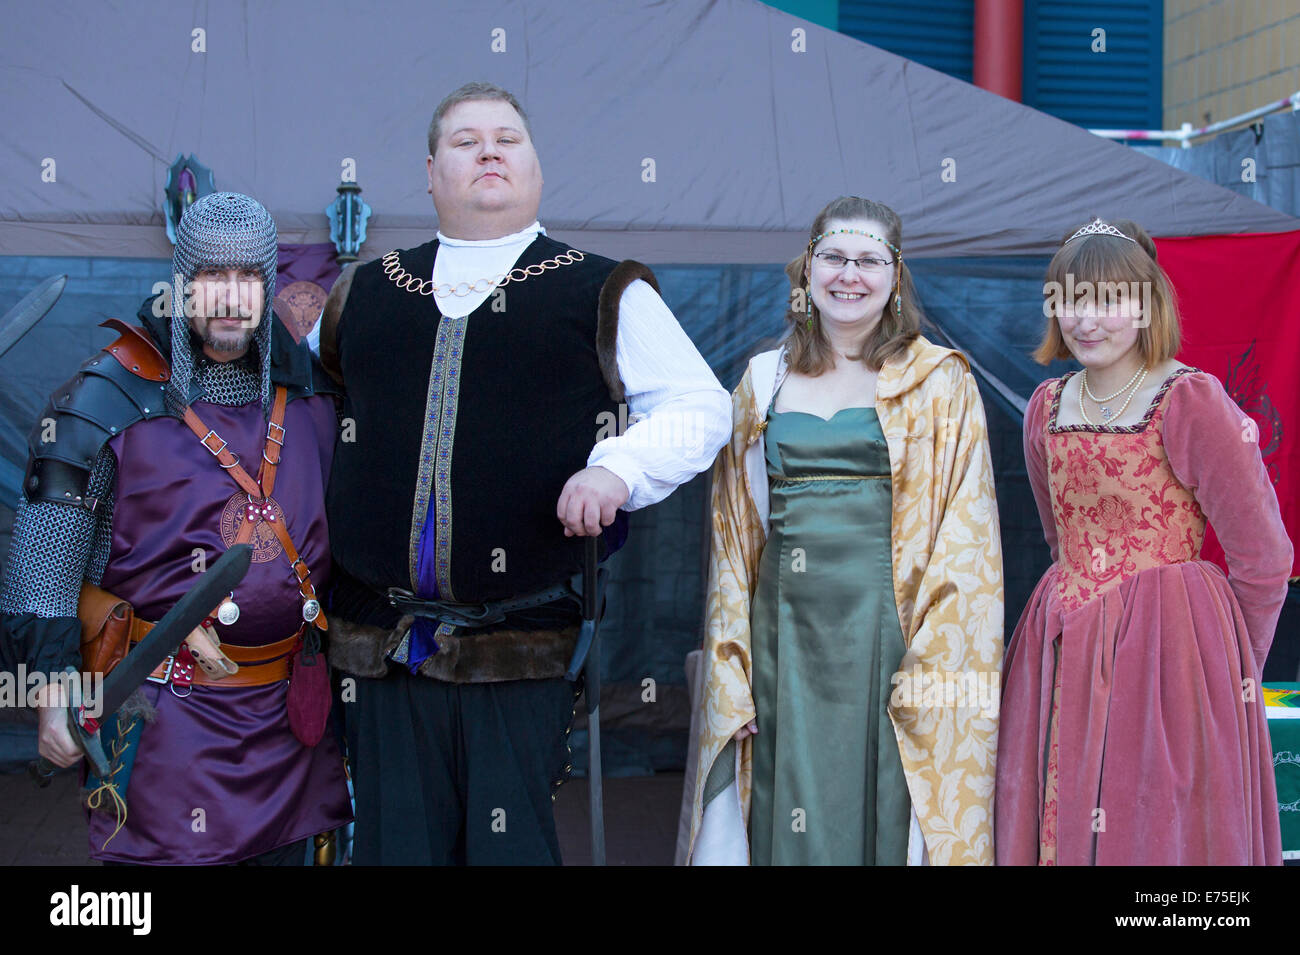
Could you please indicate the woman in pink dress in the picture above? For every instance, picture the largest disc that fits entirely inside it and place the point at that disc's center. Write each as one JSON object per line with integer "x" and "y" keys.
{"x": 1132, "y": 727}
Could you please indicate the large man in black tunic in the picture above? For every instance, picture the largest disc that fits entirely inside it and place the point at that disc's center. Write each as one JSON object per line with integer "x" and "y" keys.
{"x": 479, "y": 369}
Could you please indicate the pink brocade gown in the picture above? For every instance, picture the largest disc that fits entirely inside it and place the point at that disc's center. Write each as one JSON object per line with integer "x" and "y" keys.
{"x": 1132, "y": 727}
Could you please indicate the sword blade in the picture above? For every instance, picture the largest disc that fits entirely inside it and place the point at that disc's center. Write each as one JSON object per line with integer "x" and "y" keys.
{"x": 175, "y": 626}
{"x": 30, "y": 310}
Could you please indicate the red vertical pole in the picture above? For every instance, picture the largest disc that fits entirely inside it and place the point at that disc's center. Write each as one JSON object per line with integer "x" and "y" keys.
{"x": 999, "y": 29}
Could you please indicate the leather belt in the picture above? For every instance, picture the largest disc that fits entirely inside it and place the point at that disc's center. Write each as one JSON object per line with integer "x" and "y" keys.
{"x": 179, "y": 668}
{"x": 476, "y": 615}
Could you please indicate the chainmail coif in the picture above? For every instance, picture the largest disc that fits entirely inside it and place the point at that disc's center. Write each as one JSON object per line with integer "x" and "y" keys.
{"x": 221, "y": 230}
{"x": 55, "y": 545}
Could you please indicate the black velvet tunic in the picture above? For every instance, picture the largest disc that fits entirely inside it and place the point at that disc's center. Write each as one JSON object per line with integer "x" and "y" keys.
{"x": 478, "y": 420}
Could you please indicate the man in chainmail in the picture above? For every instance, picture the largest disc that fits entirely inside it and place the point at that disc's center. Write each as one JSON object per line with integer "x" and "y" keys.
{"x": 124, "y": 497}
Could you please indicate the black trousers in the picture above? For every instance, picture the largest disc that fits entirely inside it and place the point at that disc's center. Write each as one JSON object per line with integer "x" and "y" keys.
{"x": 457, "y": 773}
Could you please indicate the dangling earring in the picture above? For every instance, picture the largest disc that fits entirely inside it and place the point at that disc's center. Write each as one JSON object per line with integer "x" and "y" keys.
{"x": 807, "y": 294}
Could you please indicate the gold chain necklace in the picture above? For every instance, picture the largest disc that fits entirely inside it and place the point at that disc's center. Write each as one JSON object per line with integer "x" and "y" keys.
{"x": 413, "y": 283}
{"x": 1106, "y": 413}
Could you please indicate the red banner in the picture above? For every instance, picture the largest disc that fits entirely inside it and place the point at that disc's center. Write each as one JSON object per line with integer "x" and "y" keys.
{"x": 1239, "y": 299}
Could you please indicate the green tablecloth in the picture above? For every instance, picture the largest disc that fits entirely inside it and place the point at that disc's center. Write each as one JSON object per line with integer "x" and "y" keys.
{"x": 1285, "y": 734}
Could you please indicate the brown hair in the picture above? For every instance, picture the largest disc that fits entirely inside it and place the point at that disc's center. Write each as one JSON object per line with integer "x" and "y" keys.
{"x": 1101, "y": 259}
{"x": 472, "y": 91}
{"x": 810, "y": 350}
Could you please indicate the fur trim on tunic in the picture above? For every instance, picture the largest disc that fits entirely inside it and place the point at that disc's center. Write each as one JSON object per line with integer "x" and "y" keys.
{"x": 464, "y": 657}
{"x": 611, "y": 294}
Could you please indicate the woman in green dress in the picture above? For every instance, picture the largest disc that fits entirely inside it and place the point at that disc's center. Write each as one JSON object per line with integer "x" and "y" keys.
{"x": 826, "y": 643}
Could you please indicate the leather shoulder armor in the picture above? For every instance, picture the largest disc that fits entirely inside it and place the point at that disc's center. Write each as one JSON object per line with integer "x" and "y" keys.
{"x": 113, "y": 389}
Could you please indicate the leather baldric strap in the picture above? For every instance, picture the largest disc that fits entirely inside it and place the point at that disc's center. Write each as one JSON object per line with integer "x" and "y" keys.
{"x": 217, "y": 447}
{"x": 259, "y": 490}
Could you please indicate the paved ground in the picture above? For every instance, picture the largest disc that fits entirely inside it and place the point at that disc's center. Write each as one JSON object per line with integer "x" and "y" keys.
{"x": 45, "y": 827}
{"x": 640, "y": 820}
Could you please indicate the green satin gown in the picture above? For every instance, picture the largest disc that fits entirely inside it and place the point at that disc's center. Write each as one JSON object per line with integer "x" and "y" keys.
{"x": 828, "y": 783}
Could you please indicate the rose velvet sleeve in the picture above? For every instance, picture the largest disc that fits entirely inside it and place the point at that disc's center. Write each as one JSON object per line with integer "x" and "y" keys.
{"x": 1214, "y": 453}
{"x": 1035, "y": 438}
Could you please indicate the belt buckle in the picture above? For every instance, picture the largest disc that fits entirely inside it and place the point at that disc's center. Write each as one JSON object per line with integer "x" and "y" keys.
{"x": 469, "y": 615}
{"x": 168, "y": 663}
{"x": 397, "y": 594}
{"x": 483, "y": 614}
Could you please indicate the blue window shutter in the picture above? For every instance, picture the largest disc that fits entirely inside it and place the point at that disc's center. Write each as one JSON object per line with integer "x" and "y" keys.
{"x": 1120, "y": 88}
{"x": 937, "y": 33}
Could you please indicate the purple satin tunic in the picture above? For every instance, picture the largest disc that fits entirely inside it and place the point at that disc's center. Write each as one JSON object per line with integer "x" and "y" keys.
{"x": 228, "y": 752}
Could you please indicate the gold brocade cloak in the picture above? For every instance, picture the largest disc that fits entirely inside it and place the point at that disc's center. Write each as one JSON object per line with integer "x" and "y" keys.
{"x": 947, "y": 570}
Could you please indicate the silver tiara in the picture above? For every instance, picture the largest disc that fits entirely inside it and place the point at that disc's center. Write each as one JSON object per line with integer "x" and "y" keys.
{"x": 1097, "y": 227}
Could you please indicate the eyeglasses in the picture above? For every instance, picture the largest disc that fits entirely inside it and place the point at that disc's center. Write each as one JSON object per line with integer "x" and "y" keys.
{"x": 867, "y": 263}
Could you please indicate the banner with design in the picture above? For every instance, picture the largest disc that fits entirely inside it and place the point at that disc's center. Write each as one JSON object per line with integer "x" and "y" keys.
{"x": 1239, "y": 299}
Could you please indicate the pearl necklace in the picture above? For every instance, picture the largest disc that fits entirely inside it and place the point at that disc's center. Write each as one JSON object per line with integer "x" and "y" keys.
{"x": 1108, "y": 415}
{"x": 1108, "y": 397}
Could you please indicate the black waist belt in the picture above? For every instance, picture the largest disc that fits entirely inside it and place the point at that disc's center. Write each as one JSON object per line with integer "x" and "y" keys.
{"x": 477, "y": 615}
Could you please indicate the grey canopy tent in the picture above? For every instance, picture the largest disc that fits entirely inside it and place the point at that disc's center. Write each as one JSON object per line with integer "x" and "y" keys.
{"x": 675, "y": 131}
{"x": 700, "y": 136}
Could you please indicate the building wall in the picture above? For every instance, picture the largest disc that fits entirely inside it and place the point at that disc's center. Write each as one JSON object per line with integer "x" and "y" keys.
{"x": 1225, "y": 57}
{"x": 1221, "y": 58}
{"x": 1063, "y": 72}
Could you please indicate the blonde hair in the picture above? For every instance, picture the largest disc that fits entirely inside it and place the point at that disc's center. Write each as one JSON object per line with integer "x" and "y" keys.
{"x": 1101, "y": 259}
{"x": 468, "y": 93}
{"x": 810, "y": 351}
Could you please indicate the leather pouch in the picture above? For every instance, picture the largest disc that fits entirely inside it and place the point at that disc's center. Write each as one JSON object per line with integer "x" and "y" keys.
{"x": 309, "y": 690}
{"x": 105, "y": 629}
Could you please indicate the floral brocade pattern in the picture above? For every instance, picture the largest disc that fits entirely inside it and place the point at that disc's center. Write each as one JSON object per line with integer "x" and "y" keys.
{"x": 1118, "y": 508}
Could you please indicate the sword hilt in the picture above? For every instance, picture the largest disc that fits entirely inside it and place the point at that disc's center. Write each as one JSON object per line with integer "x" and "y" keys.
{"x": 592, "y": 579}
{"x": 86, "y": 738}
{"x": 42, "y": 771}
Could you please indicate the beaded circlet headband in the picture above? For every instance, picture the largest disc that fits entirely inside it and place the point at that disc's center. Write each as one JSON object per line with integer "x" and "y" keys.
{"x": 898, "y": 298}
{"x": 1098, "y": 227}
{"x": 869, "y": 235}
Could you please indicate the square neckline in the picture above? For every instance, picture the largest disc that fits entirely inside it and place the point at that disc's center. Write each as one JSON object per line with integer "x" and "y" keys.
{"x": 1137, "y": 428}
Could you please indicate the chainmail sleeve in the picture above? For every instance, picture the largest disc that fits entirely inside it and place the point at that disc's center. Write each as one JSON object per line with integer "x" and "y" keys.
{"x": 103, "y": 479}
{"x": 56, "y": 546}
